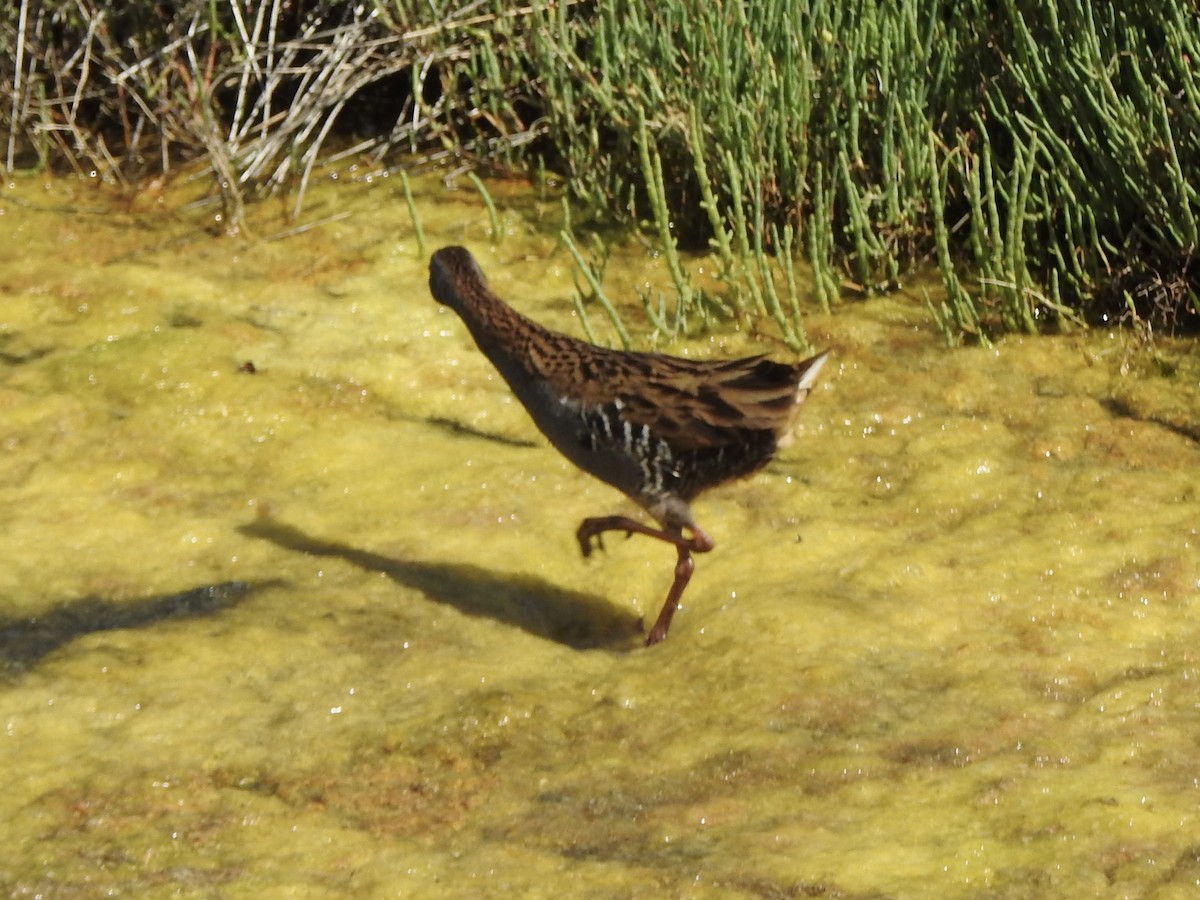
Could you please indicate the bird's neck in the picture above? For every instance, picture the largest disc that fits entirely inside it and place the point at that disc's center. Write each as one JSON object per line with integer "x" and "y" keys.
{"x": 502, "y": 333}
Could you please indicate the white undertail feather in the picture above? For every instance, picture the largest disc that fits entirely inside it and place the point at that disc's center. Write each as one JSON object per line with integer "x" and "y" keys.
{"x": 803, "y": 386}
{"x": 809, "y": 378}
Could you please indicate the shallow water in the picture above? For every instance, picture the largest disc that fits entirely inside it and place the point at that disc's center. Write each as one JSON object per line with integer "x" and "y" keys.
{"x": 323, "y": 629}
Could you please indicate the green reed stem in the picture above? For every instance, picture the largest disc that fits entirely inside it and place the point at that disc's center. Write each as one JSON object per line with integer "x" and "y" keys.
{"x": 708, "y": 199}
{"x": 785, "y": 253}
{"x": 497, "y": 230}
{"x": 413, "y": 214}
{"x": 597, "y": 292}
{"x": 652, "y": 172}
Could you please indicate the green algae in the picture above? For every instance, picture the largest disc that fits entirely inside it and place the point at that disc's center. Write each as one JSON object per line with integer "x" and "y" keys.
{"x": 945, "y": 645}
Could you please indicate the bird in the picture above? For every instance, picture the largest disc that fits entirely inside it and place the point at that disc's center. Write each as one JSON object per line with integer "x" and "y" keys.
{"x": 661, "y": 429}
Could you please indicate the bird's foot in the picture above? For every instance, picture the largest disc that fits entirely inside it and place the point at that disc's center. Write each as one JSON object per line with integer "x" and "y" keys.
{"x": 699, "y": 542}
{"x": 590, "y": 529}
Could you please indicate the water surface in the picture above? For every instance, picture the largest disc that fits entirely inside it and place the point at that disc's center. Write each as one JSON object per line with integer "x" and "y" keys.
{"x": 322, "y": 628}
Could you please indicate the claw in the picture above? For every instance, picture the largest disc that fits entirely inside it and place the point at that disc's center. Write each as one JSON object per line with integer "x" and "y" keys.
{"x": 585, "y": 535}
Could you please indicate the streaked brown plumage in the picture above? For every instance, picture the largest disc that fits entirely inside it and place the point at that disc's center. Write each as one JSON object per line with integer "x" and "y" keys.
{"x": 659, "y": 428}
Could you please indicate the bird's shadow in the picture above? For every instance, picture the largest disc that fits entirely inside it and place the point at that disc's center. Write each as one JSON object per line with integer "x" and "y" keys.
{"x": 25, "y": 641}
{"x": 573, "y": 618}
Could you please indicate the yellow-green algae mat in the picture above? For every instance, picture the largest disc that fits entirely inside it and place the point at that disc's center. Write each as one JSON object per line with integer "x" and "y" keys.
{"x": 292, "y": 605}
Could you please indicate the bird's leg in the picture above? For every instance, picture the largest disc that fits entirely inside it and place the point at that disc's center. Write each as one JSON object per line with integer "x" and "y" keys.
{"x": 699, "y": 542}
{"x": 683, "y": 574}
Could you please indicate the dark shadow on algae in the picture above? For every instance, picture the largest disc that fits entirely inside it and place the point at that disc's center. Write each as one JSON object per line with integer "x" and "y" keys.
{"x": 582, "y": 621}
{"x": 23, "y": 642}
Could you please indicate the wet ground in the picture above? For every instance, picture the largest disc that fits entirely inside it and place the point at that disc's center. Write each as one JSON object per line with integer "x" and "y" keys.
{"x": 292, "y": 606}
